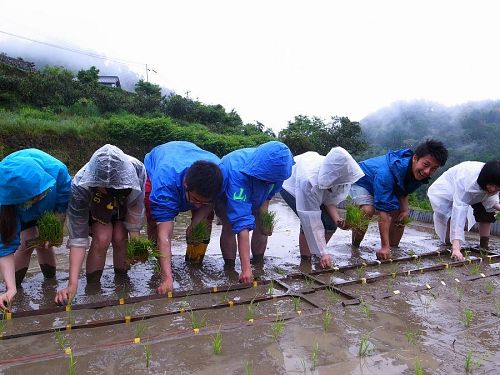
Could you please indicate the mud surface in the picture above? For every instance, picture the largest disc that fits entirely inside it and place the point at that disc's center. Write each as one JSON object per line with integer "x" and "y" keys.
{"x": 291, "y": 325}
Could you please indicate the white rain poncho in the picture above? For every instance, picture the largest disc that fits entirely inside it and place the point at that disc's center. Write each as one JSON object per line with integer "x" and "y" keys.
{"x": 452, "y": 195}
{"x": 109, "y": 167}
{"x": 318, "y": 180}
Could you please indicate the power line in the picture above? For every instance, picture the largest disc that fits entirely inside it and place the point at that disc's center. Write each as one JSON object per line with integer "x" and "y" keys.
{"x": 74, "y": 50}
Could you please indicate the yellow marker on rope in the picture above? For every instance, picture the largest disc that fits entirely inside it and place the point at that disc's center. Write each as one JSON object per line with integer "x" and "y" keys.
{"x": 442, "y": 282}
{"x": 409, "y": 272}
{"x": 137, "y": 340}
{"x": 363, "y": 280}
{"x": 427, "y": 286}
{"x": 169, "y": 295}
{"x": 446, "y": 265}
{"x": 390, "y": 260}
{"x": 396, "y": 292}
{"x": 67, "y": 351}
{"x": 299, "y": 312}
{"x": 196, "y": 330}
{"x": 127, "y": 319}
{"x": 254, "y": 284}
{"x": 68, "y": 327}
{"x": 68, "y": 308}
{"x": 335, "y": 268}
{"x": 230, "y": 303}
{"x": 489, "y": 258}
{"x": 393, "y": 275}
{"x": 8, "y": 315}
{"x": 121, "y": 301}
{"x": 250, "y": 320}
{"x": 457, "y": 280}
{"x": 215, "y": 289}
{"x": 421, "y": 270}
{"x": 182, "y": 310}
{"x": 438, "y": 252}
{"x": 482, "y": 274}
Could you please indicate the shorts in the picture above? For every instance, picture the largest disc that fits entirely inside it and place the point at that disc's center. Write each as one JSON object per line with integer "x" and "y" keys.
{"x": 360, "y": 196}
{"x": 328, "y": 223}
{"x": 481, "y": 215}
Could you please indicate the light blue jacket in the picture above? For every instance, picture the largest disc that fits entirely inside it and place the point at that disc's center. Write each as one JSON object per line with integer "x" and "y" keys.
{"x": 252, "y": 176}
{"x": 26, "y": 174}
{"x": 385, "y": 178}
{"x": 166, "y": 166}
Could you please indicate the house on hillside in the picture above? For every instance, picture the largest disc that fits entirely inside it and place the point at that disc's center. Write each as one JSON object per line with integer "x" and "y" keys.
{"x": 110, "y": 81}
{"x": 19, "y": 63}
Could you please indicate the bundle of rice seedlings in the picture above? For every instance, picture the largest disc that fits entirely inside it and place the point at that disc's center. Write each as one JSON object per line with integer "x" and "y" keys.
{"x": 50, "y": 229}
{"x": 139, "y": 249}
{"x": 407, "y": 220}
{"x": 200, "y": 232}
{"x": 267, "y": 222}
{"x": 355, "y": 218}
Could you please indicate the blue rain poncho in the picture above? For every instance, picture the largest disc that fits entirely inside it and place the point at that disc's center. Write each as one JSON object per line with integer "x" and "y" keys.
{"x": 253, "y": 175}
{"x": 385, "y": 178}
{"x": 166, "y": 166}
{"x": 25, "y": 175}
{"x": 109, "y": 167}
{"x": 452, "y": 195}
{"x": 318, "y": 180}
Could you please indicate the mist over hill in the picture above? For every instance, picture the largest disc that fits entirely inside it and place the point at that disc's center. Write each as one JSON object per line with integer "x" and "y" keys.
{"x": 471, "y": 131}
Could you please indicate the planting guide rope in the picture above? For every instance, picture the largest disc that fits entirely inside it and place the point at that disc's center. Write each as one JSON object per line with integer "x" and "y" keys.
{"x": 290, "y": 293}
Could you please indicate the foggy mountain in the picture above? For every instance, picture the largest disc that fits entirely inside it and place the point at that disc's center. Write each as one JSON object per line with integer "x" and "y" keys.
{"x": 43, "y": 55}
{"x": 470, "y": 131}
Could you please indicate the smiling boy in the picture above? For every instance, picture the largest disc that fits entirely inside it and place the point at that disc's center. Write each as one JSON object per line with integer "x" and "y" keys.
{"x": 388, "y": 181}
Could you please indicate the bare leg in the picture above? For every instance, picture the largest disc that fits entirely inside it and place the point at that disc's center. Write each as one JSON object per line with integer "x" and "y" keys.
{"x": 119, "y": 241}
{"x": 303, "y": 246}
{"x": 22, "y": 256}
{"x": 484, "y": 235}
{"x": 358, "y": 235}
{"x": 259, "y": 243}
{"x": 395, "y": 231}
{"x": 228, "y": 242}
{"x": 96, "y": 258}
{"x": 152, "y": 231}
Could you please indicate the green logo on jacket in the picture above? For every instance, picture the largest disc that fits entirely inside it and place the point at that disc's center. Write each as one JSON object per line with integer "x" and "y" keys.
{"x": 241, "y": 196}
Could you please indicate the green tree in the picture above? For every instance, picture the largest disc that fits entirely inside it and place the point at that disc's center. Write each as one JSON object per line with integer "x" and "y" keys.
{"x": 88, "y": 77}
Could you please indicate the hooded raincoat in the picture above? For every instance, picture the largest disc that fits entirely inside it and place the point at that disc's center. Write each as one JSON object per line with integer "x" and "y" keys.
{"x": 452, "y": 195}
{"x": 109, "y": 167}
{"x": 26, "y": 174}
{"x": 166, "y": 166}
{"x": 253, "y": 175}
{"x": 318, "y": 180}
{"x": 385, "y": 178}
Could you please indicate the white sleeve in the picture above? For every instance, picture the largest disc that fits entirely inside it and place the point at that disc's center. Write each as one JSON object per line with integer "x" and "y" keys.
{"x": 134, "y": 219}
{"x": 78, "y": 217}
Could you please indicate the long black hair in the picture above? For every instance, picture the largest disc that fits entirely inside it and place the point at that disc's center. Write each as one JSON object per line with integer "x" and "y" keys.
{"x": 7, "y": 223}
{"x": 490, "y": 174}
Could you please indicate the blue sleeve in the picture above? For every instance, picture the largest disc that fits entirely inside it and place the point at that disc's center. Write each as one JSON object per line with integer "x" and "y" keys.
{"x": 63, "y": 187}
{"x": 274, "y": 189}
{"x": 383, "y": 192}
{"x": 239, "y": 205}
{"x": 164, "y": 204}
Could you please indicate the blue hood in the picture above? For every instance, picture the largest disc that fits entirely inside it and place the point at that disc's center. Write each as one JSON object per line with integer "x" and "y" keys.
{"x": 22, "y": 179}
{"x": 271, "y": 162}
{"x": 398, "y": 162}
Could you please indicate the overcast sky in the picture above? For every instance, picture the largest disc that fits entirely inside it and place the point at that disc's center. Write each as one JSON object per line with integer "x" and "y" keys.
{"x": 272, "y": 60}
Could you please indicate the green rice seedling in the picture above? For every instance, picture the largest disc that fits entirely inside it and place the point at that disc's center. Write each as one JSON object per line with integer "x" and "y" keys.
{"x": 468, "y": 317}
{"x": 393, "y": 269}
{"x": 407, "y": 220}
{"x": 147, "y": 355}
{"x": 314, "y": 356}
{"x": 140, "y": 328}
{"x": 309, "y": 282}
{"x": 296, "y": 303}
{"x": 497, "y": 308}
{"x": 250, "y": 311}
{"x": 280, "y": 271}
{"x": 217, "y": 342}
{"x": 355, "y": 218}
{"x": 138, "y": 250}
{"x": 365, "y": 347}
{"x": 459, "y": 293}
{"x": 270, "y": 288}
{"x": 225, "y": 297}
{"x": 482, "y": 253}
{"x": 412, "y": 253}
{"x": 418, "y": 367}
{"x": 72, "y": 363}
{"x": 197, "y": 321}
{"x": 411, "y": 336}
{"x": 489, "y": 287}
{"x": 248, "y": 368}
{"x": 361, "y": 272}
{"x": 390, "y": 285}
{"x": 475, "y": 270}
{"x": 3, "y": 323}
{"x": 471, "y": 363}
{"x": 50, "y": 229}
{"x": 277, "y": 327}
{"x": 327, "y": 320}
{"x": 126, "y": 310}
{"x": 199, "y": 232}
{"x": 333, "y": 296}
{"x": 268, "y": 221}
{"x": 61, "y": 340}
{"x": 365, "y": 309}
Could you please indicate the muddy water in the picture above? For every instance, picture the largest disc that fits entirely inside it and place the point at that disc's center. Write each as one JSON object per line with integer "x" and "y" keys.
{"x": 312, "y": 342}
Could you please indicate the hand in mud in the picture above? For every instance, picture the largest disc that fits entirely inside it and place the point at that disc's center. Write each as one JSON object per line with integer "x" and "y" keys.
{"x": 384, "y": 254}
{"x": 6, "y": 298}
{"x": 325, "y": 261}
{"x": 166, "y": 285}
{"x": 65, "y": 296}
{"x": 403, "y": 215}
{"x": 342, "y": 224}
{"x": 246, "y": 276}
{"x": 456, "y": 254}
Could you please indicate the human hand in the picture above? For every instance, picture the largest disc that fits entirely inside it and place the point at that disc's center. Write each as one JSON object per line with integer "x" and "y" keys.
{"x": 457, "y": 254}
{"x": 342, "y": 224}
{"x": 325, "y": 261}
{"x": 384, "y": 253}
{"x": 6, "y": 299}
{"x": 246, "y": 276}
{"x": 166, "y": 286}
{"x": 65, "y": 296}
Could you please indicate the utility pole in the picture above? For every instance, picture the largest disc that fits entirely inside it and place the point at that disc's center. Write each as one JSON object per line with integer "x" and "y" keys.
{"x": 147, "y": 78}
